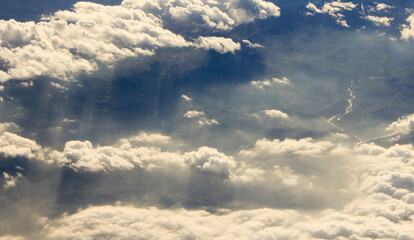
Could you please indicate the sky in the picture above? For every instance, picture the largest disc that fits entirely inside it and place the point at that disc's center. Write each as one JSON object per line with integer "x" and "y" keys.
{"x": 206, "y": 119}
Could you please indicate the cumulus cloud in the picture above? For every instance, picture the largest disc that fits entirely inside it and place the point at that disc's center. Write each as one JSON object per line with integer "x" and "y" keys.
{"x": 221, "y": 15}
{"x": 13, "y": 145}
{"x": 124, "y": 222}
{"x": 381, "y": 187}
{"x": 273, "y": 113}
{"x": 219, "y": 44}
{"x": 380, "y": 20}
{"x": 334, "y": 9}
{"x": 201, "y": 117}
{"x": 382, "y": 7}
{"x": 124, "y": 155}
{"x": 407, "y": 31}
{"x": 194, "y": 113}
{"x": 9, "y": 180}
{"x": 209, "y": 160}
{"x": 382, "y": 207}
{"x": 91, "y": 35}
{"x": 76, "y": 41}
{"x": 270, "y": 82}
{"x": 403, "y": 125}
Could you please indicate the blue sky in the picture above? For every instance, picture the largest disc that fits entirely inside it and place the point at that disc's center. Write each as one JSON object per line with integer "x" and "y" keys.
{"x": 186, "y": 119}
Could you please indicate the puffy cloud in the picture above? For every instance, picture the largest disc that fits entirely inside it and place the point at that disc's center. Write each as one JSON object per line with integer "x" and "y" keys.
{"x": 124, "y": 155}
{"x": 380, "y": 20}
{"x": 270, "y": 82}
{"x": 201, "y": 117}
{"x": 209, "y": 160}
{"x": 222, "y": 15}
{"x": 219, "y": 44}
{"x": 404, "y": 125}
{"x": 407, "y": 31}
{"x": 124, "y": 222}
{"x": 334, "y": 9}
{"x": 273, "y": 113}
{"x": 13, "y": 145}
{"x": 76, "y": 41}
{"x": 382, "y": 207}
{"x": 194, "y": 113}
{"x": 382, "y": 6}
{"x": 9, "y": 180}
{"x": 93, "y": 35}
{"x": 208, "y": 122}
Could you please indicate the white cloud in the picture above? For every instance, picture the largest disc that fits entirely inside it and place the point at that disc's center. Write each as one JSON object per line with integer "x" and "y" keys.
{"x": 252, "y": 45}
{"x": 76, "y": 41}
{"x": 334, "y": 9}
{"x": 124, "y": 155}
{"x": 304, "y": 146}
{"x": 12, "y": 145}
{"x": 81, "y": 40}
{"x": 219, "y": 44}
{"x": 407, "y": 31}
{"x": 209, "y": 160}
{"x": 152, "y": 138}
{"x": 194, "y": 113}
{"x": 380, "y": 20}
{"x": 185, "y": 97}
{"x": 201, "y": 117}
{"x": 124, "y": 222}
{"x": 381, "y": 207}
{"x": 273, "y": 113}
{"x": 222, "y": 15}
{"x": 382, "y": 6}
{"x": 9, "y": 180}
{"x": 379, "y": 192}
{"x": 403, "y": 125}
{"x": 271, "y": 82}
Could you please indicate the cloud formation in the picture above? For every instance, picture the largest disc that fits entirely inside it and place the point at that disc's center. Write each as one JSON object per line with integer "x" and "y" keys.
{"x": 407, "y": 31}
{"x": 220, "y": 15}
{"x": 92, "y": 35}
{"x": 379, "y": 189}
{"x": 403, "y": 125}
{"x": 201, "y": 117}
{"x": 270, "y": 82}
{"x": 379, "y": 20}
{"x": 334, "y": 9}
